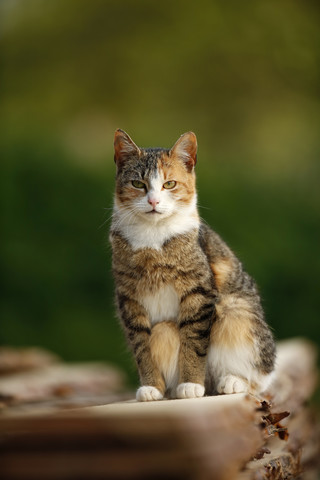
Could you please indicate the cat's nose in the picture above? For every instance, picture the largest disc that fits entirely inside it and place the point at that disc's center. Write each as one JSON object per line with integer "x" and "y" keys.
{"x": 153, "y": 201}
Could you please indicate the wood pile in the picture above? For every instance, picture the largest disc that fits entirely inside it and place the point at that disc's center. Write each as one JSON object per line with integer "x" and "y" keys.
{"x": 37, "y": 380}
{"x": 224, "y": 437}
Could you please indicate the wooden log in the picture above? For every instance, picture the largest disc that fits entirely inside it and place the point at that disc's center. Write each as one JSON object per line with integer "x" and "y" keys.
{"x": 294, "y": 383}
{"x": 60, "y": 380}
{"x": 14, "y": 360}
{"x": 295, "y": 376}
{"x": 288, "y": 459}
{"x": 211, "y": 437}
{"x": 205, "y": 438}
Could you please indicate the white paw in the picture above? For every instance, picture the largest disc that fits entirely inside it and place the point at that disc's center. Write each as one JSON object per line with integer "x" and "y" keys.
{"x": 190, "y": 390}
{"x": 148, "y": 394}
{"x": 231, "y": 384}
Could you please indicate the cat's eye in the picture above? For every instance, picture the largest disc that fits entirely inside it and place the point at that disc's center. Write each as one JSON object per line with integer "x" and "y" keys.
{"x": 138, "y": 184}
{"x": 170, "y": 184}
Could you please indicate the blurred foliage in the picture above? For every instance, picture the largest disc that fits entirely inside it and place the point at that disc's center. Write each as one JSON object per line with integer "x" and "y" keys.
{"x": 244, "y": 77}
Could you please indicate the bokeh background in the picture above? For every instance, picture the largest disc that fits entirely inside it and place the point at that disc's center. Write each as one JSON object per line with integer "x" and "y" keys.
{"x": 244, "y": 76}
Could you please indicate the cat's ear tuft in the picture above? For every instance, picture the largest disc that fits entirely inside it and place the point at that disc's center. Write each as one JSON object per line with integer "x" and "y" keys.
{"x": 124, "y": 147}
{"x": 186, "y": 149}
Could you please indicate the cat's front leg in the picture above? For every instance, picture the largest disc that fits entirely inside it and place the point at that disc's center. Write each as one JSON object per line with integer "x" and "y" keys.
{"x": 152, "y": 382}
{"x": 194, "y": 342}
{"x": 138, "y": 330}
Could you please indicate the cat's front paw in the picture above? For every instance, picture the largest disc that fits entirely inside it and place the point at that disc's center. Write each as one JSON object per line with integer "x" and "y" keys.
{"x": 232, "y": 384}
{"x": 148, "y": 394}
{"x": 190, "y": 390}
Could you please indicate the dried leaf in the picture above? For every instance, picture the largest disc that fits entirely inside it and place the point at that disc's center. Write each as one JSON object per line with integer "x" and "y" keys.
{"x": 260, "y": 453}
{"x": 277, "y": 417}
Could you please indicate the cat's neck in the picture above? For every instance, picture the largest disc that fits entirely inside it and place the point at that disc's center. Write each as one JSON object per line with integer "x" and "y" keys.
{"x": 141, "y": 233}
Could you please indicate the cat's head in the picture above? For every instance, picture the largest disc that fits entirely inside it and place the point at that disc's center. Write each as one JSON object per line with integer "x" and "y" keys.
{"x": 155, "y": 183}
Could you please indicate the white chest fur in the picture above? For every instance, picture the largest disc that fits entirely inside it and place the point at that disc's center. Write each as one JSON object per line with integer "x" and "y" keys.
{"x": 162, "y": 305}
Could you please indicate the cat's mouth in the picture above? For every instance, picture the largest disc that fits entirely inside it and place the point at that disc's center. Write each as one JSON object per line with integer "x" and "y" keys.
{"x": 153, "y": 212}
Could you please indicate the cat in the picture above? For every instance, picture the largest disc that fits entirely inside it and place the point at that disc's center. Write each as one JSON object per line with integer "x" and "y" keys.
{"x": 191, "y": 314}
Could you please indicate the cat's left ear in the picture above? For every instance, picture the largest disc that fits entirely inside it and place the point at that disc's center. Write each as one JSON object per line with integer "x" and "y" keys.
{"x": 186, "y": 149}
{"x": 124, "y": 147}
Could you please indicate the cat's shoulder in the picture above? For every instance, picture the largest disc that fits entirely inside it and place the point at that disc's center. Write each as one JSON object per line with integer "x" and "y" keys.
{"x": 207, "y": 235}
{"x": 211, "y": 242}
{"x": 118, "y": 241}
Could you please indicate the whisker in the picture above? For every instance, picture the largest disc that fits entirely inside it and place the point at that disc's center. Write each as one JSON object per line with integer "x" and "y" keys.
{"x": 119, "y": 220}
{"x": 106, "y": 221}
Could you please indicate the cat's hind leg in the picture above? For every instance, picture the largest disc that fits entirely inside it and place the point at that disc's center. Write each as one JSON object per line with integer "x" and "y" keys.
{"x": 241, "y": 352}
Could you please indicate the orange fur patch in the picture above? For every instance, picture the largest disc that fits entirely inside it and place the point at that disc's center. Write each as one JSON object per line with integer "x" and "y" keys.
{"x": 173, "y": 169}
{"x": 233, "y": 326}
{"x": 221, "y": 270}
{"x": 164, "y": 346}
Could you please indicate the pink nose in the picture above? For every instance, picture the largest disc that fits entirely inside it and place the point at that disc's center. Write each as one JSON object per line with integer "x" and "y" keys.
{"x": 153, "y": 201}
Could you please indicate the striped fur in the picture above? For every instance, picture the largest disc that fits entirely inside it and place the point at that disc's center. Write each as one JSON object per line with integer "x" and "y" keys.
{"x": 191, "y": 315}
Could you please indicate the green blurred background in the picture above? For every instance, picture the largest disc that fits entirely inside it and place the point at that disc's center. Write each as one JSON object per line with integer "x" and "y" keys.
{"x": 244, "y": 76}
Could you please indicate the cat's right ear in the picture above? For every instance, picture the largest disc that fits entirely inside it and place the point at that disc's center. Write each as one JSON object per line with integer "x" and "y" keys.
{"x": 124, "y": 147}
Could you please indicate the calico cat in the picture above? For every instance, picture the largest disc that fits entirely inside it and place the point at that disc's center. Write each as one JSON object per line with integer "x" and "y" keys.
{"x": 191, "y": 314}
